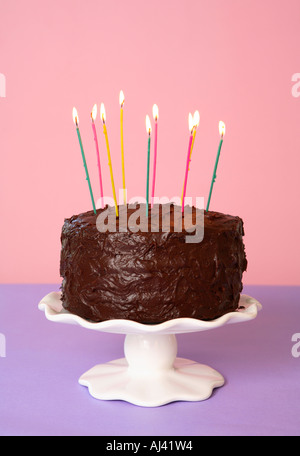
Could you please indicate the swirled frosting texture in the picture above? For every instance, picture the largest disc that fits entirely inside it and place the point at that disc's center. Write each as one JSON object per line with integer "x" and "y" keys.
{"x": 151, "y": 277}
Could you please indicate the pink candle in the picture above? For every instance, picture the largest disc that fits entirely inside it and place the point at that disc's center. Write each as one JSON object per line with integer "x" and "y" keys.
{"x": 187, "y": 162}
{"x": 155, "y": 116}
{"x": 93, "y": 116}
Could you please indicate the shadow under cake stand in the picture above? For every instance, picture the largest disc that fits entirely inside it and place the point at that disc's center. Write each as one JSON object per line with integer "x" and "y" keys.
{"x": 151, "y": 374}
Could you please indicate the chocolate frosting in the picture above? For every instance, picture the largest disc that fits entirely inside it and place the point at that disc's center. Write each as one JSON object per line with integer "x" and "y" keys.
{"x": 151, "y": 277}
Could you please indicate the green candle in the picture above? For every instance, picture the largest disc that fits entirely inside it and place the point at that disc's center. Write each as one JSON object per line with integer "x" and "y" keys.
{"x": 148, "y": 128}
{"x": 76, "y": 121}
{"x": 222, "y": 132}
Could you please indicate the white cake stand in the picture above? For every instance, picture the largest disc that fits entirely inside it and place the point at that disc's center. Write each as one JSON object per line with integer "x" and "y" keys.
{"x": 150, "y": 375}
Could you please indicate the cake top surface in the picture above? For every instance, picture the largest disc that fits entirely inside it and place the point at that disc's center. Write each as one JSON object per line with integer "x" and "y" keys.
{"x": 160, "y": 217}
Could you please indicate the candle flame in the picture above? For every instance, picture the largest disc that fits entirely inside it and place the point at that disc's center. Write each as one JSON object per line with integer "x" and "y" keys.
{"x": 191, "y": 122}
{"x": 221, "y": 128}
{"x": 94, "y": 112}
{"x": 121, "y": 98}
{"x": 102, "y": 113}
{"x": 75, "y": 117}
{"x": 196, "y": 119}
{"x": 155, "y": 112}
{"x": 148, "y": 125}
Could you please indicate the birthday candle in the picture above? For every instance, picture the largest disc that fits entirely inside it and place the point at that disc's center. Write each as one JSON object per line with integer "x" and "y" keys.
{"x": 222, "y": 133}
{"x": 121, "y": 101}
{"x": 155, "y": 116}
{"x": 191, "y": 127}
{"x": 148, "y": 128}
{"x": 196, "y": 120}
{"x": 103, "y": 118}
{"x": 93, "y": 116}
{"x": 76, "y": 122}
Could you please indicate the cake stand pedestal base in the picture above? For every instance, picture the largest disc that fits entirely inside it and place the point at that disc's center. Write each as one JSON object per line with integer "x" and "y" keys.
{"x": 150, "y": 375}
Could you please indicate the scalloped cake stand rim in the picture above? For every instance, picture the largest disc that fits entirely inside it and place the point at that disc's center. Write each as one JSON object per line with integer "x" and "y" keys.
{"x": 53, "y": 309}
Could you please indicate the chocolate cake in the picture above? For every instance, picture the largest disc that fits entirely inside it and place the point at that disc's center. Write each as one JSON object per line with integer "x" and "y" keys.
{"x": 151, "y": 275}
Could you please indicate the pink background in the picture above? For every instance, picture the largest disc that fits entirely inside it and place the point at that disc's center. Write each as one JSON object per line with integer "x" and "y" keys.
{"x": 232, "y": 60}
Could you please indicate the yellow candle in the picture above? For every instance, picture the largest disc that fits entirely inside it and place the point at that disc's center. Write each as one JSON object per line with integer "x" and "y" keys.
{"x": 121, "y": 100}
{"x": 103, "y": 117}
{"x": 193, "y": 124}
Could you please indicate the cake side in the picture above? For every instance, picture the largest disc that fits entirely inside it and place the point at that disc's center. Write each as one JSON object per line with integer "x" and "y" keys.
{"x": 151, "y": 277}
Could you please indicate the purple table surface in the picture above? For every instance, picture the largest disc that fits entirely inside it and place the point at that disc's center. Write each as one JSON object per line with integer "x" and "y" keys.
{"x": 41, "y": 361}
